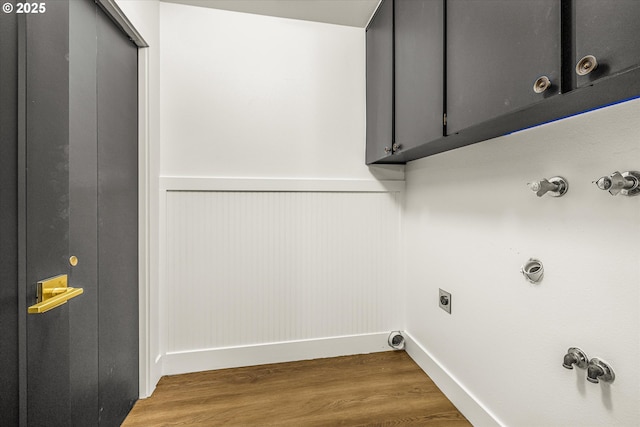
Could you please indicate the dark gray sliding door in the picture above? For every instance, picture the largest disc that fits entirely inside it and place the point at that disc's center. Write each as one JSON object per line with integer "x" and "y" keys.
{"x": 69, "y": 206}
{"x": 117, "y": 221}
{"x": 83, "y": 208}
{"x": 9, "y": 354}
{"x": 45, "y": 195}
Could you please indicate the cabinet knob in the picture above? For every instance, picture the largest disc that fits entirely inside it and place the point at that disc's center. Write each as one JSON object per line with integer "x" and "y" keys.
{"x": 586, "y": 65}
{"x": 387, "y": 150}
{"x": 543, "y": 83}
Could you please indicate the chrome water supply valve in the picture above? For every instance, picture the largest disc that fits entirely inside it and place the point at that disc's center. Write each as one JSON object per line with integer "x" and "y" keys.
{"x": 625, "y": 183}
{"x": 575, "y": 356}
{"x": 598, "y": 370}
{"x": 556, "y": 186}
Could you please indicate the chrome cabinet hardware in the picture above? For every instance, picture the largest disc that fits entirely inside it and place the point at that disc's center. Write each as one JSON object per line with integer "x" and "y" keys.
{"x": 575, "y": 356}
{"x": 625, "y": 183}
{"x": 541, "y": 84}
{"x": 586, "y": 65}
{"x": 387, "y": 150}
{"x": 556, "y": 186}
{"x": 598, "y": 370}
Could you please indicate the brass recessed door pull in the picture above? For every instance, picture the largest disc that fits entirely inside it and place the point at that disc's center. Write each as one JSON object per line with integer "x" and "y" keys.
{"x": 52, "y": 293}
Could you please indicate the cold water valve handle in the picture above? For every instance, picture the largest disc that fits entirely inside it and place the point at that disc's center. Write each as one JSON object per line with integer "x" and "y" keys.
{"x": 556, "y": 186}
{"x": 625, "y": 183}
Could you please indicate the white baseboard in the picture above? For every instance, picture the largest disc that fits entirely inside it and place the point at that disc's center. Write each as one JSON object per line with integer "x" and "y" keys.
{"x": 261, "y": 354}
{"x": 467, "y": 404}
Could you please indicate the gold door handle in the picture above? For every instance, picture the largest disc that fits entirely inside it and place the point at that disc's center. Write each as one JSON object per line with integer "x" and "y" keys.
{"x": 52, "y": 293}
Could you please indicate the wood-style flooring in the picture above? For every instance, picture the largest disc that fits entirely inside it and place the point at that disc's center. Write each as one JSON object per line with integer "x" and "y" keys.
{"x": 379, "y": 389}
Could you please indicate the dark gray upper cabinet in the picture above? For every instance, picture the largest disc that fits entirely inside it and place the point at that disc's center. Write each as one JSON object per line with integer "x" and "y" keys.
{"x": 419, "y": 72}
{"x": 405, "y": 77}
{"x": 483, "y": 59}
{"x": 496, "y": 50}
{"x": 379, "y": 41}
{"x": 610, "y": 32}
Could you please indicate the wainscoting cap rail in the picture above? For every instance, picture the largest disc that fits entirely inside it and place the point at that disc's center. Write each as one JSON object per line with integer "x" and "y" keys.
{"x": 172, "y": 183}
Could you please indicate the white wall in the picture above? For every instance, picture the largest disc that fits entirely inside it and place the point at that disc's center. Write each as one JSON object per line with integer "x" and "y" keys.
{"x": 283, "y": 263}
{"x": 470, "y": 222}
{"x": 256, "y": 96}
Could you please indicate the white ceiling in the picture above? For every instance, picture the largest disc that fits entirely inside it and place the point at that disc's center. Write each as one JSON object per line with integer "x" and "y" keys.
{"x": 354, "y": 13}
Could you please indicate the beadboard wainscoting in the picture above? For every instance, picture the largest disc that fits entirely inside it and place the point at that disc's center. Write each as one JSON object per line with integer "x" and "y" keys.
{"x": 272, "y": 270}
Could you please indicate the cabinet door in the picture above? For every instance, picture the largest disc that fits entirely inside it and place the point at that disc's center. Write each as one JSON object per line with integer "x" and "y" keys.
{"x": 419, "y": 72}
{"x": 609, "y": 31}
{"x": 496, "y": 50}
{"x": 380, "y": 83}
